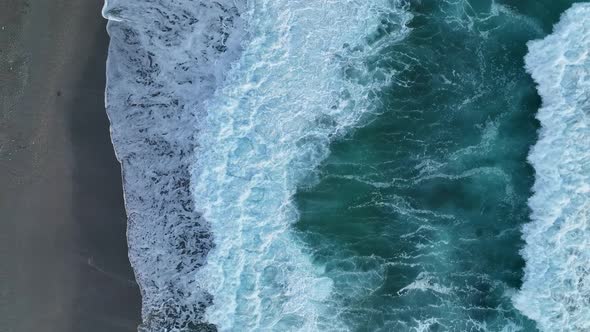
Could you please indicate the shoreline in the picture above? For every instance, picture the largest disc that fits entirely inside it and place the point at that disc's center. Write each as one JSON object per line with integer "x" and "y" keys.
{"x": 164, "y": 61}
{"x": 62, "y": 202}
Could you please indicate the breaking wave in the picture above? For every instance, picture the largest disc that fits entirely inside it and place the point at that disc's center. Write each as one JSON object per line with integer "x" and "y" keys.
{"x": 301, "y": 81}
{"x": 556, "y": 289}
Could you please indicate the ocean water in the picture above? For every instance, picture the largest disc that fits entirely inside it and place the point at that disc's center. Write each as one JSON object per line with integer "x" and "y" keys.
{"x": 302, "y": 165}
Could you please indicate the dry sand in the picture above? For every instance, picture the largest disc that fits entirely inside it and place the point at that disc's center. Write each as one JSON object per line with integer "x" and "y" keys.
{"x": 63, "y": 252}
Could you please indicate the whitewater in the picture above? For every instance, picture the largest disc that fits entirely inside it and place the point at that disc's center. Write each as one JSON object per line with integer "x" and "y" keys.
{"x": 301, "y": 82}
{"x": 556, "y": 289}
{"x": 165, "y": 59}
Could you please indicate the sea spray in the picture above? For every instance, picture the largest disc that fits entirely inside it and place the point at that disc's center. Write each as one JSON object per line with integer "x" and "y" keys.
{"x": 301, "y": 82}
{"x": 556, "y": 287}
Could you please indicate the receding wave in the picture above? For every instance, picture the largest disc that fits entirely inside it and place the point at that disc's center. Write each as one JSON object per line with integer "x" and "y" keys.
{"x": 556, "y": 289}
{"x": 301, "y": 82}
{"x": 166, "y": 58}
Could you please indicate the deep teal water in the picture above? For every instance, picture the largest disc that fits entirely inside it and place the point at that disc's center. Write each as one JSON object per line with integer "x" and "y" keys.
{"x": 417, "y": 214}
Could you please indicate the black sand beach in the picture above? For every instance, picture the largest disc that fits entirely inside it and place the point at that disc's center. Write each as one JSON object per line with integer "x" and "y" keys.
{"x": 63, "y": 251}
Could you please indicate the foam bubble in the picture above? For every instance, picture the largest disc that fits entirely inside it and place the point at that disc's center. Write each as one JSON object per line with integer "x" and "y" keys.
{"x": 556, "y": 289}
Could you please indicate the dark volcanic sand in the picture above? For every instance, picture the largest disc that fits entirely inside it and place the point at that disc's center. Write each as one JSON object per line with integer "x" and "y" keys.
{"x": 63, "y": 251}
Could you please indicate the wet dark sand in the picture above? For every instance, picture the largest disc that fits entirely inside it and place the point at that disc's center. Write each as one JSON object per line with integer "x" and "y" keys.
{"x": 63, "y": 252}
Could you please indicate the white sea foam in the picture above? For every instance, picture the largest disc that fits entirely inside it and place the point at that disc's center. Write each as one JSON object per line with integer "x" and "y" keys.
{"x": 301, "y": 81}
{"x": 166, "y": 58}
{"x": 556, "y": 289}
{"x": 425, "y": 282}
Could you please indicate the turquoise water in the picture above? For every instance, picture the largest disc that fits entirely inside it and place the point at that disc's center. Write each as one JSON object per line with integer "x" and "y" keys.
{"x": 417, "y": 216}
